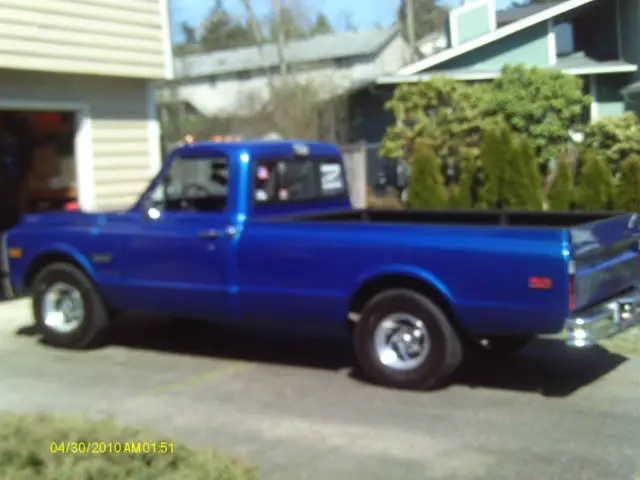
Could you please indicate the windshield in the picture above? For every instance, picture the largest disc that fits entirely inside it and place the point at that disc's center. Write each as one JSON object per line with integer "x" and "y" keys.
{"x": 298, "y": 180}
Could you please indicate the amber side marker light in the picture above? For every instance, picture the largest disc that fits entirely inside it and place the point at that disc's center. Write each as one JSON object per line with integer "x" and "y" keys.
{"x": 15, "y": 253}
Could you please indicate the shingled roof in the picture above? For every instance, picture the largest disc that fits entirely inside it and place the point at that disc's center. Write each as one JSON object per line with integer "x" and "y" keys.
{"x": 318, "y": 48}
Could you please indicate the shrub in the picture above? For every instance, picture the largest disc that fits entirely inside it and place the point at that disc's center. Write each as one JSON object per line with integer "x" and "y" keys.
{"x": 616, "y": 137}
{"x": 561, "y": 190}
{"x": 25, "y": 453}
{"x": 628, "y": 191}
{"x": 595, "y": 185}
{"x": 426, "y": 184}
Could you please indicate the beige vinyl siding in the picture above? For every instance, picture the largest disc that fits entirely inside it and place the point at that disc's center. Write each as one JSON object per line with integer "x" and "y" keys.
{"x": 120, "y": 132}
{"x": 123, "y": 38}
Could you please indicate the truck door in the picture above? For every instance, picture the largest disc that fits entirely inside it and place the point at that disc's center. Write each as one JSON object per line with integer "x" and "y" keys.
{"x": 179, "y": 258}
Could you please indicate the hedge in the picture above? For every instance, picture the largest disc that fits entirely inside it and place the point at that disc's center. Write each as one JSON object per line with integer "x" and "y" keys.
{"x": 32, "y": 447}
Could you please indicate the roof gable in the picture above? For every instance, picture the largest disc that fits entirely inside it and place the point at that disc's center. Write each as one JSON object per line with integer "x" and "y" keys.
{"x": 552, "y": 10}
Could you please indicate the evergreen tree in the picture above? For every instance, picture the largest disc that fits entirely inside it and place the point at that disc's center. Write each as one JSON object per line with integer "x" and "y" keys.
{"x": 496, "y": 154}
{"x": 429, "y": 17}
{"x": 595, "y": 186}
{"x": 561, "y": 190}
{"x": 221, "y": 31}
{"x": 321, "y": 25}
{"x": 462, "y": 193}
{"x": 628, "y": 191}
{"x": 526, "y": 181}
{"x": 292, "y": 25}
{"x": 426, "y": 184}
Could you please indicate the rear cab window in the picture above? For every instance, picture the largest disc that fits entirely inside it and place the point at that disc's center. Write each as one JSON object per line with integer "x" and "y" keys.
{"x": 298, "y": 180}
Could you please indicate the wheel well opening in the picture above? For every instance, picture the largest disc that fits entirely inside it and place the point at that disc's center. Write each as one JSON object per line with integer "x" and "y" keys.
{"x": 44, "y": 261}
{"x": 377, "y": 285}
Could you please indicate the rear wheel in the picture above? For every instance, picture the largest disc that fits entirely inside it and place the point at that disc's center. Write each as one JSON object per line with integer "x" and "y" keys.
{"x": 68, "y": 310}
{"x": 404, "y": 340}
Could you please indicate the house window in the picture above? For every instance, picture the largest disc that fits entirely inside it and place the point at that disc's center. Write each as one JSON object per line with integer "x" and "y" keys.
{"x": 343, "y": 62}
{"x": 565, "y": 44}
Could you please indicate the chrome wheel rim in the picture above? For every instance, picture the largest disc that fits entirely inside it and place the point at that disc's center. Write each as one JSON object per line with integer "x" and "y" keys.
{"x": 401, "y": 341}
{"x": 62, "y": 308}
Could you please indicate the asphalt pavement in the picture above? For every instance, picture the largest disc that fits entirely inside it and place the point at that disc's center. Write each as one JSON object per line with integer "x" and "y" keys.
{"x": 294, "y": 409}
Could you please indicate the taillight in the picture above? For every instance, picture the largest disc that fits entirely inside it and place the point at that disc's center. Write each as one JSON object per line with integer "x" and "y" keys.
{"x": 572, "y": 285}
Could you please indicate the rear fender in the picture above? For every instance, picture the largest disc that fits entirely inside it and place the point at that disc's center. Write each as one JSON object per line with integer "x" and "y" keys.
{"x": 405, "y": 271}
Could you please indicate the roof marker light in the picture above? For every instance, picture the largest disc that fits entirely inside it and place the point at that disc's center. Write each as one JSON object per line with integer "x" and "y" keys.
{"x": 300, "y": 149}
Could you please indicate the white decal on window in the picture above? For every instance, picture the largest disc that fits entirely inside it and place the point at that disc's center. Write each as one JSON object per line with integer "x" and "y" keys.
{"x": 331, "y": 177}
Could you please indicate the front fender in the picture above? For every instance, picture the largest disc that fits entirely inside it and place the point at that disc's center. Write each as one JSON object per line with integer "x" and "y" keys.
{"x": 59, "y": 250}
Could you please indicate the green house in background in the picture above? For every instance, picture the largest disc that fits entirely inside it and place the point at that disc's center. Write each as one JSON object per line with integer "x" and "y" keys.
{"x": 597, "y": 40}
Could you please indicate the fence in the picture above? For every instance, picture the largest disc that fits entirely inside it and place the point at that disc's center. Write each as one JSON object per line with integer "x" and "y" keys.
{"x": 355, "y": 161}
{"x": 367, "y": 169}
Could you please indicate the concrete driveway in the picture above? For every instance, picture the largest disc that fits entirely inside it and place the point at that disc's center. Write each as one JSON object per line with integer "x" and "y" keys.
{"x": 294, "y": 410}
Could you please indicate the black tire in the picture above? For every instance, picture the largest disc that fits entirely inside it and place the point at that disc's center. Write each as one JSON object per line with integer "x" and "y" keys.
{"x": 443, "y": 358}
{"x": 502, "y": 345}
{"x": 95, "y": 320}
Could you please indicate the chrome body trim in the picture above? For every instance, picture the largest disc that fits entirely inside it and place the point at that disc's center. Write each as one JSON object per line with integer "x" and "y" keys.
{"x": 588, "y": 327}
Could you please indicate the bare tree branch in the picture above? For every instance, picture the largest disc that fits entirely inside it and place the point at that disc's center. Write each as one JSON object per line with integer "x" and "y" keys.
{"x": 254, "y": 22}
{"x": 277, "y": 11}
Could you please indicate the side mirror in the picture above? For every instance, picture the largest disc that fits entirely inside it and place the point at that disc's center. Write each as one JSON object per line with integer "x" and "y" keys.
{"x": 150, "y": 209}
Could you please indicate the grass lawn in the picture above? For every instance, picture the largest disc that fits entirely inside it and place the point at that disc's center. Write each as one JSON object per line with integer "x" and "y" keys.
{"x": 627, "y": 343}
{"x": 43, "y": 447}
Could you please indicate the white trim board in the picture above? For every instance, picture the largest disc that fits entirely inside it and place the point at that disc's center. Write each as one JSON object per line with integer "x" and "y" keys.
{"x": 454, "y": 34}
{"x": 551, "y": 42}
{"x": 601, "y": 70}
{"x": 165, "y": 19}
{"x": 83, "y": 143}
{"x": 502, "y": 32}
{"x": 396, "y": 79}
{"x": 594, "y": 102}
{"x": 619, "y": 30}
{"x": 471, "y": 75}
{"x": 153, "y": 130}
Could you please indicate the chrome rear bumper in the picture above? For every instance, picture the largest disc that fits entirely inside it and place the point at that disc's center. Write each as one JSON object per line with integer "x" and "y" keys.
{"x": 603, "y": 321}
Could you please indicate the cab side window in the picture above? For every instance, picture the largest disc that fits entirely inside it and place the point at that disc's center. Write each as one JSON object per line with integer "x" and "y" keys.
{"x": 298, "y": 180}
{"x": 193, "y": 184}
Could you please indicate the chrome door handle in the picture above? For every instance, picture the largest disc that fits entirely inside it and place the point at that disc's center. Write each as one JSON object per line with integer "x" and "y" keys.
{"x": 209, "y": 234}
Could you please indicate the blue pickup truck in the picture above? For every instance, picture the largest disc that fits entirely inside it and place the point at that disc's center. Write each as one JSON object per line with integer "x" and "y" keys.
{"x": 263, "y": 234}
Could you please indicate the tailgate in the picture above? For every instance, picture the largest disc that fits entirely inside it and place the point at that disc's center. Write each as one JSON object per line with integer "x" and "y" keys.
{"x": 605, "y": 253}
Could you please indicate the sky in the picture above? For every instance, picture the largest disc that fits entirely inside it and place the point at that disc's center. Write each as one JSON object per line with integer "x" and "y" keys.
{"x": 362, "y": 13}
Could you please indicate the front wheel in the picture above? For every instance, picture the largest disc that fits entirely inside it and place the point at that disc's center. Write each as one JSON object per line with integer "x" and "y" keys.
{"x": 405, "y": 340}
{"x": 68, "y": 310}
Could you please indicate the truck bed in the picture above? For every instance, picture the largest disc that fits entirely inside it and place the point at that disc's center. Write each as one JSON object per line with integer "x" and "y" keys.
{"x": 459, "y": 217}
{"x": 603, "y": 245}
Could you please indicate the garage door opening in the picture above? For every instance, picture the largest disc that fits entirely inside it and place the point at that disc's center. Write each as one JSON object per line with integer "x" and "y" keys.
{"x": 37, "y": 163}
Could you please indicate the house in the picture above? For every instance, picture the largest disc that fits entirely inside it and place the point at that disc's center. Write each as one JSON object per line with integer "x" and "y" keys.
{"x": 235, "y": 81}
{"x": 596, "y": 40}
{"x": 77, "y": 94}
